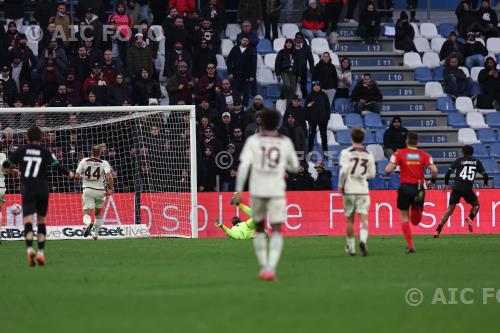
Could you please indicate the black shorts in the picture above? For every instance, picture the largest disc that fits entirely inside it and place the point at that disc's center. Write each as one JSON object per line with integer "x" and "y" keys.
{"x": 458, "y": 193}
{"x": 35, "y": 202}
{"x": 407, "y": 194}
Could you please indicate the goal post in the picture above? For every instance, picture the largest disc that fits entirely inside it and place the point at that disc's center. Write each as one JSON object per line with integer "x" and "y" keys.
{"x": 152, "y": 151}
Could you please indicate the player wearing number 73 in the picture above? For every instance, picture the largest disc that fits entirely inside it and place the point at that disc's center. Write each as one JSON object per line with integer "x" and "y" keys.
{"x": 94, "y": 172}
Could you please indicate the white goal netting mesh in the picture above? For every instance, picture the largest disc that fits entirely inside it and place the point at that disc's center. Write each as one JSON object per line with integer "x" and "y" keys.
{"x": 149, "y": 150}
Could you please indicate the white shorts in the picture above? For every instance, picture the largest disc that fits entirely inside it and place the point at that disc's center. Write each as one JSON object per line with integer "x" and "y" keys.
{"x": 273, "y": 207}
{"x": 2, "y": 196}
{"x": 356, "y": 203}
{"x": 93, "y": 198}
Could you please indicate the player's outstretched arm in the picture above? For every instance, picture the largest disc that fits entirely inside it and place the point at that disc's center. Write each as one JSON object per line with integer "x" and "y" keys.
{"x": 447, "y": 178}
{"x": 13, "y": 171}
{"x": 434, "y": 174}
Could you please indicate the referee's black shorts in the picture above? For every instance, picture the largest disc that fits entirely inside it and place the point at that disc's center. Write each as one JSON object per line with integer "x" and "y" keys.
{"x": 35, "y": 202}
{"x": 406, "y": 195}
{"x": 460, "y": 192}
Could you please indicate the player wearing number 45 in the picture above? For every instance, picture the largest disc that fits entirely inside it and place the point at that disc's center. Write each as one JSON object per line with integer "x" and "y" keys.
{"x": 465, "y": 168}
{"x": 94, "y": 173}
{"x": 357, "y": 165}
{"x": 33, "y": 161}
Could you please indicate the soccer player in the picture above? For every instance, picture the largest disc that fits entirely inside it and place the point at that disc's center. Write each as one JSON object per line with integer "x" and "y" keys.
{"x": 465, "y": 168}
{"x": 94, "y": 172}
{"x": 412, "y": 162}
{"x": 33, "y": 160}
{"x": 357, "y": 165}
{"x": 268, "y": 155}
{"x": 240, "y": 229}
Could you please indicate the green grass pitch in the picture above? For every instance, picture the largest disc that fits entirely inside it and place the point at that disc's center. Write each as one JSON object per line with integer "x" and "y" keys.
{"x": 211, "y": 285}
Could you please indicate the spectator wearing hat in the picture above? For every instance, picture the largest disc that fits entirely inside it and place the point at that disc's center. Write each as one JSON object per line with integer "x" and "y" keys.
{"x": 301, "y": 181}
{"x": 239, "y": 117}
{"x": 174, "y": 56}
{"x": 242, "y": 68}
{"x": 285, "y": 67}
{"x": 326, "y": 73}
{"x": 208, "y": 86}
{"x": 291, "y": 129}
{"x": 61, "y": 99}
{"x": 146, "y": 88}
{"x": 312, "y": 21}
{"x": 74, "y": 88}
{"x": 124, "y": 24}
{"x": 250, "y": 10}
{"x": 97, "y": 7}
{"x": 473, "y": 51}
{"x": 226, "y": 98}
{"x": 62, "y": 20}
{"x": 118, "y": 91}
{"x": 10, "y": 39}
{"x": 139, "y": 56}
{"x": 254, "y": 127}
{"x": 95, "y": 26}
{"x": 44, "y": 10}
{"x": 298, "y": 112}
{"x": 180, "y": 86}
{"x": 96, "y": 82}
{"x": 303, "y": 57}
{"x": 394, "y": 137}
{"x": 257, "y": 106}
{"x": 324, "y": 180}
{"x": 318, "y": 112}
{"x": 214, "y": 9}
{"x": 366, "y": 95}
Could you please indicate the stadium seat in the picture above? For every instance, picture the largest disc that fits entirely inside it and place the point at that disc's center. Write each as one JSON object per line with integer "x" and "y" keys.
{"x": 260, "y": 61}
{"x": 336, "y": 123}
{"x": 431, "y": 60}
{"x": 437, "y": 43}
{"x": 475, "y": 120}
{"x": 288, "y": 30}
{"x": 330, "y": 138}
{"x": 353, "y": 120}
{"x": 265, "y": 76}
{"x": 226, "y": 46}
{"x": 381, "y": 167}
{"x": 377, "y": 183}
{"x": 157, "y": 32}
{"x": 273, "y": 90}
{"x": 434, "y": 89}
{"x": 278, "y": 44}
{"x": 464, "y": 105}
{"x": 379, "y": 136}
{"x": 377, "y": 151}
{"x": 344, "y": 137}
{"x": 369, "y": 138}
{"x": 264, "y": 46}
{"x": 491, "y": 166}
{"x": 394, "y": 182}
{"x": 465, "y": 70}
{"x": 412, "y": 60}
{"x": 281, "y": 106}
{"x": 445, "y": 29}
{"x": 486, "y": 135}
{"x": 467, "y": 136}
{"x": 445, "y": 104}
{"x": 480, "y": 150}
{"x": 475, "y": 90}
{"x": 373, "y": 120}
{"x": 319, "y": 45}
{"x": 422, "y": 44}
{"x": 342, "y": 105}
{"x": 221, "y": 63}
{"x": 335, "y": 58}
{"x": 269, "y": 60}
{"x": 428, "y": 30}
{"x": 334, "y": 152}
{"x": 493, "y": 45}
{"x": 456, "y": 120}
{"x": 422, "y": 74}
{"x": 416, "y": 29}
{"x": 232, "y": 31}
{"x": 493, "y": 119}
{"x": 474, "y": 73}
{"x": 495, "y": 150}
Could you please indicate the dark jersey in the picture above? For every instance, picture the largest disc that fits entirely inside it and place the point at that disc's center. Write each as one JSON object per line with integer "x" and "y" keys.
{"x": 465, "y": 169}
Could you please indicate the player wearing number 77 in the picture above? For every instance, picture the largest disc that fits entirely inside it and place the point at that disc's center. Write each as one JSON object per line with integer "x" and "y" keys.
{"x": 465, "y": 168}
{"x": 94, "y": 173}
{"x": 33, "y": 160}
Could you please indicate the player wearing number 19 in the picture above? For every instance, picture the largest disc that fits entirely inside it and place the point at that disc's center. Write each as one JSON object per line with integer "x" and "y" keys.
{"x": 465, "y": 168}
{"x": 94, "y": 172}
{"x": 33, "y": 160}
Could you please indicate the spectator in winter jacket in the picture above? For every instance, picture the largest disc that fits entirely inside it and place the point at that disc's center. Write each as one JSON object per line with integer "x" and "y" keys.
{"x": 255, "y": 127}
{"x": 344, "y": 76}
{"x": 204, "y": 110}
{"x": 11, "y": 36}
{"x": 488, "y": 20}
{"x": 178, "y": 32}
{"x": 326, "y": 73}
{"x": 180, "y": 86}
{"x": 208, "y": 34}
{"x": 175, "y": 56}
{"x": 21, "y": 67}
{"x": 272, "y": 11}
{"x": 80, "y": 63}
{"x": 304, "y": 56}
{"x": 184, "y": 7}
{"x": 74, "y": 88}
{"x": 224, "y": 129}
{"x": 27, "y": 96}
{"x": 366, "y": 96}
{"x": 247, "y": 31}
{"x": 138, "y": 57}
{"x": 207, "y": 174}
{"x": 301, "y": 181}
{"x": 332, "y": 10}
{"x": 44, "y": 10}
{"x": 62, "y": 20}
{"x": 207, "y": 87}
{"x": 209, "y": 139}
{"x": 489, "y": 80}
{"x": 250, "y": 10}
{"x": 257, "y": 106}
{"x": 394, "y": 137}
{"x": 201, "y": 58}
{"x": 456, "y": 82}
{"x": 61, "y": 99}
{"x": 318, "y": 111}
{"x": 227, "y": 97}
{"x": 451, "y": 46}
{"x": 291, "y": 129}
{"x": 242, "y": 67}
{"x": 52, "y": 67}
{"x": 312, "y": 21}
{"x": 473, "y": 51}
{"x": 109, "y": 68}
{"x": 214, "y": 10}
{"x": 324, "y": 180}
{"x": 134, "y": 11}
{"x": 239, "y": 117}
{"x": 404, "y": 34}
{"x": 369, "y": 23}
{"x": 145, "y": 88}
{"x": 285, "y": 67}
{"x": 298, "y": 112}
{"x": 96, "y": 83}
{"x": 124, "y": 24}
{"x": 468, "y": 21}
{"x": 94, "y": 26}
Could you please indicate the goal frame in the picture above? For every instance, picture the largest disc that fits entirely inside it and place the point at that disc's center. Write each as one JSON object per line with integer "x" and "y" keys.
{"x": 151, "y": 108}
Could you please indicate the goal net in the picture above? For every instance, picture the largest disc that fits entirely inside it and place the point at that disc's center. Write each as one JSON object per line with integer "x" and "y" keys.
{"x": 152, "y": 152}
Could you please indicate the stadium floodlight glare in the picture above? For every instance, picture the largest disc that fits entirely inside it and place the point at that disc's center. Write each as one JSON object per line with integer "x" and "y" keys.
{"x": 151, "y": 149}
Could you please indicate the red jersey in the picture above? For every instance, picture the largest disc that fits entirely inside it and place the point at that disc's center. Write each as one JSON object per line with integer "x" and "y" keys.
{"x": 411, "y": 163}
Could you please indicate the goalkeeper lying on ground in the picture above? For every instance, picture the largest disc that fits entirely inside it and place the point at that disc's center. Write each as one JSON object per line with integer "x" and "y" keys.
{"x": 240, "y": 229}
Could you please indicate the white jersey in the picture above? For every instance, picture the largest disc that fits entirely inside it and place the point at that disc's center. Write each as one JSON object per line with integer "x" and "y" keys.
{"x": 3, "y": 158}
{"x": 93, "y": 171}
{"x": 267, "y": 158}
{"x": 357, "y": 165}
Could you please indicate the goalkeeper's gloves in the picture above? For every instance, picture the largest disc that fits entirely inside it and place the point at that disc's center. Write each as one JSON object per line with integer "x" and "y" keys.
{"x": 218, "y": 223}
{"x": 235, "y": 200}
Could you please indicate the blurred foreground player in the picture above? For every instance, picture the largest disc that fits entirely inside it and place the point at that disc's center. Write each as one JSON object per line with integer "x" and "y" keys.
{"x": 411, "y": 193}
{"x": 269, "y": 156}
{"x": 241, "y": 229}
{"x": 357, "y": 165}
{"x": 33, "y": 160}
{"x": 465, "y": 168}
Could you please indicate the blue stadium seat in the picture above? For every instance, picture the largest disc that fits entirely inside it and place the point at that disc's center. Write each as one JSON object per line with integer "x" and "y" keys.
{"x": 223, "y": 73}
{"x": 373, "y": 120}
{"x": 475, "y": 89}
{"x": 335, "y": 182}
{"x": 493, "y": 119}
{"x": 344, "y": 137}
{"x": 342, "y": 105}
{"x": 444, "y": 29}
{"x": 369, "y": 138}
{"x": 379, "y": 136}
{"x": 353, "y": 120}
{"x": 389, "y": 25}
{"x": 496, "y": 182}
{"x": 273, "y": 90}
{"x": 265, "y": 46}
{"x": 437, "y": 73}
{"x": 486, "y": 135}
{"x": 495, "y": 150}
{"x": 456, "y": 120}
{"x": 394, "y": 182}
{"x": 334, "y": 152}
{"x": 381, "y": 167}
{"x": 491, "y": 166}
{"x": 445, "y": 104}
{"x": 423, "y": 74}
{"x": 377, "y": 183}
{"x": 480, "y": 150}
